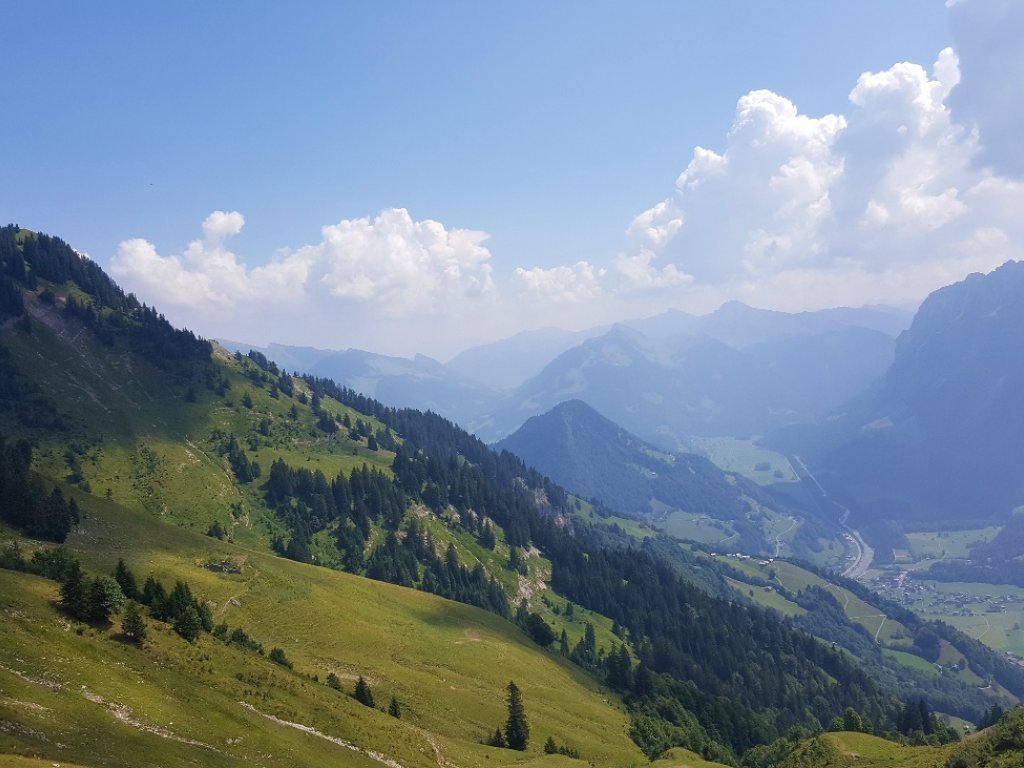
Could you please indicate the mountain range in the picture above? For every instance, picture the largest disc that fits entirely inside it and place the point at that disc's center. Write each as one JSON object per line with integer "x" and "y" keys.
{"x": 206, "y": 559}
{"x": 664, "y": 378}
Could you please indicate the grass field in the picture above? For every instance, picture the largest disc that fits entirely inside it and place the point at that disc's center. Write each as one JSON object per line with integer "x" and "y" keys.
{"x": 999, "y": 629}
{"x": 935, "y": 545}
{"x": 866, "y": 751}
{"x": 794, "y": 578}
{"x": 910, "y": 660}
{"x": 683, "y": 758}
{"x": 746, "y": 458}
{"x": 446, "y": 663}
{"x": 767, "y": 599}
{"x": 696, "y": 527}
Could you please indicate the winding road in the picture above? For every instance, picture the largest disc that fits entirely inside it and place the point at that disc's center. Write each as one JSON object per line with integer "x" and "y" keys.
{"x": 865, "y": 554}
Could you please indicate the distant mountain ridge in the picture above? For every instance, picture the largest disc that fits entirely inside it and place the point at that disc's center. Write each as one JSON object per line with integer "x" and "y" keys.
{"x": 663, "y": 377}
{"x": 666, "y": 389}
{"x": 507, "y": 363}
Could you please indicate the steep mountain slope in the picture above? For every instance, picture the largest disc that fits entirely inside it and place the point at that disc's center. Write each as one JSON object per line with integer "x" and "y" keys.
{"x": 739, "y": 325}
{"x": 940, "y": 439}
{"x": 593, "y": 457}
{"x": 505, "y": 364}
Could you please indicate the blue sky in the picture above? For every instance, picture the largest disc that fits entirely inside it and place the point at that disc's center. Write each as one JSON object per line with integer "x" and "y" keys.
{"x": 418, "y": 177}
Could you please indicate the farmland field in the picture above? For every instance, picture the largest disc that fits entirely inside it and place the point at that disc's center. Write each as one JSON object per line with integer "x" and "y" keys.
{"x": 746, "y": 458}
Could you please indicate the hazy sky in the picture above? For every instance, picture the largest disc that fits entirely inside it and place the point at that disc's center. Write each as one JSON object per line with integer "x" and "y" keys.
{"x": 420, "y": 176}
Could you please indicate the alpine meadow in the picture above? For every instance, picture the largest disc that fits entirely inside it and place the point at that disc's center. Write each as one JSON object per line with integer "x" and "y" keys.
{"x": 652, "y": 401}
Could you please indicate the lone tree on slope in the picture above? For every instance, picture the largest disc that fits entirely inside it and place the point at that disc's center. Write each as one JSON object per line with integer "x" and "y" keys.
{"x": 517, "y": 730}
{"x": 363, "y": 694}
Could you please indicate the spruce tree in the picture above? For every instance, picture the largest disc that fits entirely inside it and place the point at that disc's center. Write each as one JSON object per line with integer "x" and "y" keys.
{"x": 126, "y": 579}
{"x": 363, "y": 693}
{"x": 498, "y": 739}
{"x": 517, "y": 729}
{"x": 189, "y": 624}
{"x": 132, "y": 625}
{"x": 74, "y": 593}
{"x": 104, "y": 598}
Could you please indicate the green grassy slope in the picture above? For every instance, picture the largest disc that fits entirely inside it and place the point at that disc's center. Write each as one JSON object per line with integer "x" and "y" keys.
{"x": 445, "y": 662}
{"x": 138, "y": 433}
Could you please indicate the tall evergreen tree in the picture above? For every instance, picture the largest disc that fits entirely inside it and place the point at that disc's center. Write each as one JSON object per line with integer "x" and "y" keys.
{"x": 105, "y": 597}
{"x": 517, "y": 729}
{"x": 74, "y": 595}
{"x": 189, "y": 624}
{"x": 126, "y": 579}
{"x": 132, "y": 625}
{"x": 363, "y": 693}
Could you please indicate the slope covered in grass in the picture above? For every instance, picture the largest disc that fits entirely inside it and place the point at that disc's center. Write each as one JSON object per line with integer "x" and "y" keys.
{"x": 446, "y": 663}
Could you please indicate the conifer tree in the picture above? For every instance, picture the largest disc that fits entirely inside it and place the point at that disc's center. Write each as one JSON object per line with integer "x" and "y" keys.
{"x": 517, "y": 729}
{"x": 498, "y": 739}
{"x": 126, "y": 579}
{"x": 104, "y": 598}
{"x": 394, "y": 708}
{"x": 363, "y": 693}
{"x": 73, "y": 592}
{"x": 132, "y": 625}
{"x": 188, "y": 624}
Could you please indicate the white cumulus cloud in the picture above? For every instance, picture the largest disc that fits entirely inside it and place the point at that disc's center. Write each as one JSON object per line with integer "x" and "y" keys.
{"x": 367, "y": 281}
{"x": 884, "y": 203}
{"x": 400, "y": 265}
{"x": 987, "y": 35}
{"x": 580, "y": 282}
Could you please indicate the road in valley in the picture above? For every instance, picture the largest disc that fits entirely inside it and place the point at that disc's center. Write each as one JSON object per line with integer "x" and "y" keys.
{"x": 865, "y": 554}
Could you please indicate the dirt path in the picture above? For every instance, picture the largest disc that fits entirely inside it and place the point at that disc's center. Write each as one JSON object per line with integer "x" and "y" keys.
{"x": 778, "y": 539}
{"x": 124, "y": 715}
{"x": 375, "y": 756}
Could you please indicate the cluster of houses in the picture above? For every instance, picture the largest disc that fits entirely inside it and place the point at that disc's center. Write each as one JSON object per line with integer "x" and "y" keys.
{"x": 897, "y": 586}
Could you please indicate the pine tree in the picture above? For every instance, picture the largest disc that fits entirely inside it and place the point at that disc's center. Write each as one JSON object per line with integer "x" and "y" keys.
{"x": 363, "y": 693}
{"x": 132, "y": 625}
{"x": 188, "y": 624}
{"x": 105, "y": 597}
{"x": 74, "y": 594}
{"x": 498, "y": 739}
{"x": 517, "y": 729}
{"x": 126, "y": 579}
